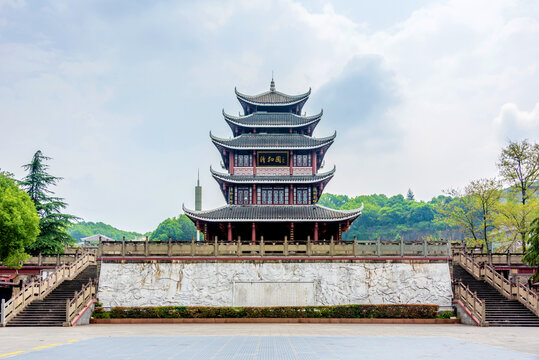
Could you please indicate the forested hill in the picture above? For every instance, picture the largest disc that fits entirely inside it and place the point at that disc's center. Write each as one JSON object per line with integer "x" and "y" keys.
{"x": 388, "y": 217}
{"x": 383, "y": 217}
{"x": 84, "y": 229}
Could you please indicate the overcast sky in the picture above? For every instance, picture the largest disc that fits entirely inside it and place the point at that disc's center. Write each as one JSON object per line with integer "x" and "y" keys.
{"x": 122, "y": 95}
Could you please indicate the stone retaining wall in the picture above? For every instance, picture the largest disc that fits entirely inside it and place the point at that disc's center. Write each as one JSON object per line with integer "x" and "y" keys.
{"x": 213, "y": 283}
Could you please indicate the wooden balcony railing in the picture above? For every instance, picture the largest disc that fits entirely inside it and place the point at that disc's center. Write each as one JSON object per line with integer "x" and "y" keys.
{"x": 215, "y": 248}
{"x": 41, "y": 288}
{"x": 470, "y": 300}
{"x": 80, "y": 300}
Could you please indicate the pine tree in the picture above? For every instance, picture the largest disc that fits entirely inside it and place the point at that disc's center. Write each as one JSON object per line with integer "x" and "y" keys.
{"x": 410, "y": 195}
{"x": 53, "y": 224}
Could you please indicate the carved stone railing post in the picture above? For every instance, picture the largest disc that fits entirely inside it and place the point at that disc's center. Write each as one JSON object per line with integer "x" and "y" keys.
{"x": 146, "y": 246}
{"x": 100, "y": 247}
{"x": 309, "y": 248}
{"x": 239, "y": 250}
{"x": 378, "y": 247}
{"x": 285, "y": 248}
{"x": 215, "y": 247}
{"x": 262, "y": 250}
{"x": 425, "y": 248}
{"x": 331, "y": 246}
{"x": 401, "y": 247}
{"x": 192, "y": 246}
{"x": 3, "y": 313}
{"x": 123, "y": 245}
{"x": 169, "y": 246}
{"x": 354, "y": 247}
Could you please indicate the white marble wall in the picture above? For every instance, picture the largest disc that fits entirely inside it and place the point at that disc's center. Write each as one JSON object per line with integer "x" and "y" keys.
{"x": 212, "y": 283}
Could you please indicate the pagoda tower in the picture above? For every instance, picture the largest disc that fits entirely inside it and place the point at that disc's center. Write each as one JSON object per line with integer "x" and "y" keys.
{"x": 272, "y": 181}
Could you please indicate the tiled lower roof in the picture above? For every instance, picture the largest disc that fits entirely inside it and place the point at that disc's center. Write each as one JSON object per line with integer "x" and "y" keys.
{"x": 271, "y": 120}
{"x": 273, "y": 141}
{"x": 272, "y": 213}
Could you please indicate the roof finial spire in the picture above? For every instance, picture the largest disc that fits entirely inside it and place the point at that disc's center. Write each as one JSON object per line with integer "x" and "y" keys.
{"x": 272, "y": 84}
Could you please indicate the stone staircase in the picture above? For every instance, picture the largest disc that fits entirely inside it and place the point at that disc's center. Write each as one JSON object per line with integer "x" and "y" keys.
{"x": 51, "y": 311}
{"x": 500, "y": 311}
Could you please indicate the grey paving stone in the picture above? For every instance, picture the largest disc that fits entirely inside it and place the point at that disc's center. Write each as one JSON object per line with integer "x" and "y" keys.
{"x": 274, "y": 347}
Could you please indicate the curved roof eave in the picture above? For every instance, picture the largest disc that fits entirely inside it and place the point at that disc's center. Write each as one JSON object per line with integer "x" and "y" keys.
{"x": 237, "y": 120}
{"x": 252, "y": 99}
{"x": 199, "y": 215}
{"x": 225, "y": 143}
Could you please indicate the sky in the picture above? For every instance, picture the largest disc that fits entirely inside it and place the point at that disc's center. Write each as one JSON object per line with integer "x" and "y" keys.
{"x": 122, "y": 95}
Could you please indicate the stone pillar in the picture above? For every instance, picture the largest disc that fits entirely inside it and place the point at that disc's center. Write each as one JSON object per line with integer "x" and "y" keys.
{"x": 315, "y": 237}
{"x": 425, "y": 248}
{"x": 192, "y": 246}
{"x": 262, "y": 246}
{"x": 146, "y": 246}
{"x": 331, "y": 246}
{"x": 253, "y": 233}
{"x": 123, "y": 245}
{"x": 378, "y": 247}
{"x": 354, "y": 247}
{"x": 215, "y": 247}
{"x": 402, "y": 247}
{"x": 285, "y": 247}
{"x": 229, "y": 232}
{"x": 169, "y": 245}
{"x": 309, "y": 249}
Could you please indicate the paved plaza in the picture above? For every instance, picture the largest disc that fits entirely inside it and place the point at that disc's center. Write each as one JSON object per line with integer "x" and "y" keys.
{"x": 270, "y": 341}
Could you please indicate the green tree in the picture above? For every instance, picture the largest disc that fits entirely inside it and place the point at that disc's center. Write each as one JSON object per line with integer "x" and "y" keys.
{"x": 474, "y": 210}
{"x": 519, "y": 167}
{"x": 53, "y": 224}
{"x": 532, "y": 253}
{"x": 410, "y": 195}
{"x": 513, "y": 219}
{"x": 19, "y": 222}
{"x": 179, "y": 229}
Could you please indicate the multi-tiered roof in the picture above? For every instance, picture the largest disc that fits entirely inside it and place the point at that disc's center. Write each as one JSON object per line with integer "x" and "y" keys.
{"x": 272, "y": 183}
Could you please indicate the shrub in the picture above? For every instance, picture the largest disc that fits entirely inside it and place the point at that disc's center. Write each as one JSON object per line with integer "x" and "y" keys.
{"x": 406, "y": 311}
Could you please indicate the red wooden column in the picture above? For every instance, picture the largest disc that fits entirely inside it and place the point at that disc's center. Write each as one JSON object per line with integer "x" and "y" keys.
{"x": 313, "y": 161}
{"x": 291, "y": 160}
{"x": 315, "y": 237}
{"x": 291, "y": 195}
{"x": 253, "y": 233}
{"x": 254, "y": 162}
{"x": 231, "y": 163}
{"x": 229, "y": 232}
{"x": 254, "y": 194}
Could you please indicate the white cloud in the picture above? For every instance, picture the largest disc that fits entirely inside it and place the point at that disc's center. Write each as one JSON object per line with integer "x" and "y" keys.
{"x": 513, "y": 123}
{"x": 123, "y": 95}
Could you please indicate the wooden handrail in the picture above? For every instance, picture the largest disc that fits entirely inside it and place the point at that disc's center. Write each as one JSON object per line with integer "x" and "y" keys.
{"x": 79, "y": 301}
{"x": 42, "y": 287}
{"x": 470, "y": 300}
{"x": 520, "y": 292}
